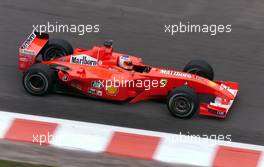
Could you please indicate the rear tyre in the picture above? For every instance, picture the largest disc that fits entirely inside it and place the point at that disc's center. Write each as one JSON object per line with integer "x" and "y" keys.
{"x": 56, "y": 48}
{"x": 183, "y": 102}
{"x": 201, "y": 68}
{"x": 39, "y": 79}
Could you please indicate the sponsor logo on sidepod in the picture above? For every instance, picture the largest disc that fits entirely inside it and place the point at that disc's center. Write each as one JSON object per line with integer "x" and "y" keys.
{"x": 175, "y": 73}
{"x": 83, "y": 59}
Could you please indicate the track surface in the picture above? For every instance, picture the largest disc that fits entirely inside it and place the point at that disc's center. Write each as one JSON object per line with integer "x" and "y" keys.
{"x": 137, "y": 28}
{"x": 67, "y": 158}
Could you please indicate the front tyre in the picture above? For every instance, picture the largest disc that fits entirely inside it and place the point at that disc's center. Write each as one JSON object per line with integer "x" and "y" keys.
{"x": 201, "y": 68}
{"x": 183, "y": 102}
{"x": 38, "y": 80}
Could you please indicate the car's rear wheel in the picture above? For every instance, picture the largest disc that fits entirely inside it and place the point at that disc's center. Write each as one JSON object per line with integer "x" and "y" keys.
{"x": 183, "y": 102}
{"x": 56, "y": 48}
{"x": 201, "y": 68}
{"x": 39, "y": 79}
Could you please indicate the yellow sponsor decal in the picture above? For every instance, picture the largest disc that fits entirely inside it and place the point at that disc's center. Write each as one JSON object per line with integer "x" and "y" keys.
{"x": 211, "y": 83}
{"x": 163, "y": 82}
{"x": 112, "y": 90}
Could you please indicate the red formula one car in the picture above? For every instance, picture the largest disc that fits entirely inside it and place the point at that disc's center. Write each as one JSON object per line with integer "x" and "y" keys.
{"x": 53, "y": 65}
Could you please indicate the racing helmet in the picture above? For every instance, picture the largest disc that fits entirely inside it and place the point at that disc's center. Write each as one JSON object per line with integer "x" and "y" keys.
{"x": 125, "y": 62}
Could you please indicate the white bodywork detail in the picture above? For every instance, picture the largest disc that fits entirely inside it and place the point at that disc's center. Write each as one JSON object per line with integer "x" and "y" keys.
{"x": 218, "y": 100}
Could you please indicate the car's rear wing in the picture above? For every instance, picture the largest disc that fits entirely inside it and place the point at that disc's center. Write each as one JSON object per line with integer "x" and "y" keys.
{"x": 31, "y": 48}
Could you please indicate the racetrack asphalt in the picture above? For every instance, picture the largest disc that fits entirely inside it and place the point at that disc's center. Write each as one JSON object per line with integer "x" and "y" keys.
{"x": 137, "y": 28}
{"x": 31, "y": 153}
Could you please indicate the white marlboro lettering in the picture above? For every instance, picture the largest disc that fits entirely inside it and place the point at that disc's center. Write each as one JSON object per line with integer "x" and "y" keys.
{"x": 83, "y": 59}
{"x": 176, "y": 73}
{"x": 28, "y": 41}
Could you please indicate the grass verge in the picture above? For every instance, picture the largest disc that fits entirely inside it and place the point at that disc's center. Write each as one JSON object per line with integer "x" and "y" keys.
{"x": 6, "y": 163}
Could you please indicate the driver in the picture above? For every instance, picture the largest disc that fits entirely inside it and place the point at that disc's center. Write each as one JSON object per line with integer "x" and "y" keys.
{"x": 125, "y": 62}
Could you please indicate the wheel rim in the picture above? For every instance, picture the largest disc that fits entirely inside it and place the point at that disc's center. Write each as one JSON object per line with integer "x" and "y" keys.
{"x": 53, "y": 53}
{"x": 182, "y": 106}
{"x": 36, "y": 82}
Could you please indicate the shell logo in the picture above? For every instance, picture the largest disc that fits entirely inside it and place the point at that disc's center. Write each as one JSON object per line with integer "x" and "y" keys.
{"x": 163, "y": 82}
{"x": 212, "y": 84}
{"x": 112, "y": 90}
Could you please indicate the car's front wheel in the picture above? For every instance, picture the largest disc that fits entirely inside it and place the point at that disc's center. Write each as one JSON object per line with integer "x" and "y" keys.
{"x": 39, "y": 79}
{"x": 183, "y": 102}
{"x": 201, "y": 68}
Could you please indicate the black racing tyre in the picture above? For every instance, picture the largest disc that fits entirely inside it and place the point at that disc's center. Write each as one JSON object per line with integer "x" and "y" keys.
{"x": 183, "y": 102}
{"x": 201, "y": 68}
{"x": 38, "y": 79}
{"x": 56, "y": 48}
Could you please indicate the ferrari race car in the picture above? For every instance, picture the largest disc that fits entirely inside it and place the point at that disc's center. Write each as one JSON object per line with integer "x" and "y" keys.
{"x": 52, "y": 65}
